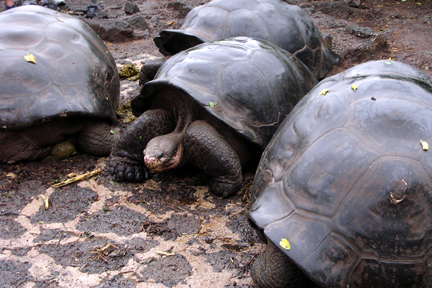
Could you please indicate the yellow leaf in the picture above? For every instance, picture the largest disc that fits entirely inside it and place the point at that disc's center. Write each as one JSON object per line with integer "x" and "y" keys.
{"x": 285, "y": 244}
{"x": 425, "y": 145}
{"x": 354, "y": 87}
{"x": 30, "y": 58}
{"x": 324, "y": 92}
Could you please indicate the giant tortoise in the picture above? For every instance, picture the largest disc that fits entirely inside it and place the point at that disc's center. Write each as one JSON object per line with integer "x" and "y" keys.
{"x": 208, "y": 102}
{"x": 275, "y": 21}
{"x": 72, "y": 88}
{"x": 342, "y": 194}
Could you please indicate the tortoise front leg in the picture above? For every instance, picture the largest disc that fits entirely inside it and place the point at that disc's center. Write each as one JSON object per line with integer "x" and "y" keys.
{"x": 209, "y": 151}
{"x": 126, "y": 161}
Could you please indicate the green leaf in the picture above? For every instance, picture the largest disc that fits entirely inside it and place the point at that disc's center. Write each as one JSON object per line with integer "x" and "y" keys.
{"x": 285, "y": 244}
{"x": 211, "y": 104}
{"x": 111, "y": 131}
{"x": 324, "y": 92}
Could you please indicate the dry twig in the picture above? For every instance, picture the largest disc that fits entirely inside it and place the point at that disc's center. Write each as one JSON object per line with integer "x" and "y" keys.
{"x": 77, "y": 178}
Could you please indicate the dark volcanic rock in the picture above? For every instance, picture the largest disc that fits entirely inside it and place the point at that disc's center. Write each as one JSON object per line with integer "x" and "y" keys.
{"x": 112, "y": 30}
{"x": 131, "y": 8}
{"x": 138, "y": 22}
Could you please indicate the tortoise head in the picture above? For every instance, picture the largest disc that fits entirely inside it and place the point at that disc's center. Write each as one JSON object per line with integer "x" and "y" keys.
{"x": 164, "y": 152}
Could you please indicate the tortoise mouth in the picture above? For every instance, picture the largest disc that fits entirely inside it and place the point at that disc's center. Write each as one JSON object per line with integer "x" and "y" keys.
{"x": 158, "y": 161}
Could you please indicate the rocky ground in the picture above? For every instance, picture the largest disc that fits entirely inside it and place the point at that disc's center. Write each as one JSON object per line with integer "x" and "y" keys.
{"x": 169, "y": 231}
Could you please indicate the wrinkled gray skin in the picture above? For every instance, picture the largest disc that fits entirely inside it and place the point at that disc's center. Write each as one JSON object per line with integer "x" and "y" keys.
{"x": 273, "y": 268}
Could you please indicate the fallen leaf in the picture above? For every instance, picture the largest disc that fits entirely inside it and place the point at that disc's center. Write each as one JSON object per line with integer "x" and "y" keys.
{"x": 324, "y": 92}
{"x": 46, "y": 201}
{"x": 30, "y": 58}
{"x": 11, "y": 175}
{"x": 285, "y": 244}
{"x": 424, "y": 145}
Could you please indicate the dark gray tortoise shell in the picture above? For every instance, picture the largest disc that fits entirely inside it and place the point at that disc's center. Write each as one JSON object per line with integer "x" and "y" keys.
{"x": 346, "y": 179}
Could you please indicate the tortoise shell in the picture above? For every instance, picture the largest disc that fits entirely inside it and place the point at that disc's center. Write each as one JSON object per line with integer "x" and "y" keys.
{"x": 74, "y": 73}
{"x": 249, "y": 84}
{"x": 347, "y": 182}
{"x": 284, "y": 25}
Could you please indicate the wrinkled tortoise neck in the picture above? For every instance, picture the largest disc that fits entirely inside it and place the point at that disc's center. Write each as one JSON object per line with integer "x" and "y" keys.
{"x": 166, "y": 151}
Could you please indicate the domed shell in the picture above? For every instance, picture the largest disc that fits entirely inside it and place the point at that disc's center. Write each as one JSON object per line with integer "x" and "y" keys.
{"x": 347, "y": 181}
{"x": 251, "y": 85}
{"x": 74, "y": 73}
{"x": 277, "y": 22}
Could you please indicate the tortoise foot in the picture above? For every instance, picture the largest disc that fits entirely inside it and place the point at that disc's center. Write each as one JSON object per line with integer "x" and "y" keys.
{"x": 127, "y": 170}
{"x": 273, "y": 269}
{"x": 224, "y": 188}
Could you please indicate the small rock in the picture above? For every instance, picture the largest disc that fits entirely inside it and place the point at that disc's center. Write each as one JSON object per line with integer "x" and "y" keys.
{"x": 154, "y": 20}
{"x": 359, "y": 31}
{"x": 181, "y": 6}
{"x": 131, "y": 8}
{"x": 111, "y": 30}
{"x": 354, "y": 3}
{"x": 138, "y": 22}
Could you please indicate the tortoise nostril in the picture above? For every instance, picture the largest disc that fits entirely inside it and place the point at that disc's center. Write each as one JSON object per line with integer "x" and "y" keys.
{"x": 160, "y": 156}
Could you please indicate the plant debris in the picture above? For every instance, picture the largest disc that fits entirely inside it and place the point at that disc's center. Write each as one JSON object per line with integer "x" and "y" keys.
{"x": 77, "y": 178}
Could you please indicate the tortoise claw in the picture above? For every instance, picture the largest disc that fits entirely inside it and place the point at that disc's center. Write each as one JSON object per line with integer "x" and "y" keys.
{"x": 136, "y": 174}
{"x": 124, "y": 169}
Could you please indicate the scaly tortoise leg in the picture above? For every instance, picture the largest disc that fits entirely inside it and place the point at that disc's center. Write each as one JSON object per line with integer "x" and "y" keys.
{"x": 209, "y": 151}
{"x": 273, "y": 269}
{"x": 126, "y": 162}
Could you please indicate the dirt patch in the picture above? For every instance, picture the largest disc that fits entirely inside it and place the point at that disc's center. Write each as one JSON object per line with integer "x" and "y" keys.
{"x": 65, "y": 204}
{"x": 121, "y": 221}
{"x": 169, "y": 231}
{"x": 167, "y": 270}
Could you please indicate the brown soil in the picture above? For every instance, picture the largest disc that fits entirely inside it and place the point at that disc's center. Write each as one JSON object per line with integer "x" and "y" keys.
{"x": 169, "y": 231}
